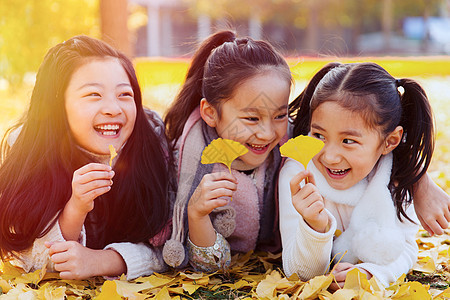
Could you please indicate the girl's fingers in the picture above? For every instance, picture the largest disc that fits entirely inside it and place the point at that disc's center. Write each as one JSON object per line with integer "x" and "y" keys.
{"x": 443, "y": 223}
{"x": 93, "y": 185}
{"x": 66, "y": 275}
{"x": 92, "y": 176}
{"x": 212, "y": 204}
{"x": 217, "y": 193}
{"x": 57, "y": 247}
{"x": 340, "y": 276}
{"x": 59, "y": 258}
{"x": 226, "y": 184}
{"x": 311, "y": 178}
{"x": 97, "y": 192}
{"x": 425, "y": 225}
{"x": 219, "y": 176}
{"x": 93, "y": 167}
{"x": 295, "y": 181}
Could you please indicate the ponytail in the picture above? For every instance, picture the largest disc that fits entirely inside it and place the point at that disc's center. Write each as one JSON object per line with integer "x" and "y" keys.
{"x": 191, "y": 92}
{"x": 299, "y": 109}
{"x": 412, "y": 156}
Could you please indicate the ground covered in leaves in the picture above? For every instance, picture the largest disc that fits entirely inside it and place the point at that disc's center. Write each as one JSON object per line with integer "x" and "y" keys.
{"x": 251, "y": 276}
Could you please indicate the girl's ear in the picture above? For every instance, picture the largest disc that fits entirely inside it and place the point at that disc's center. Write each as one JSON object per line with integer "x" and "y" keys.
{"x": 393, "y": 139}
{"x": 208, "y": 113}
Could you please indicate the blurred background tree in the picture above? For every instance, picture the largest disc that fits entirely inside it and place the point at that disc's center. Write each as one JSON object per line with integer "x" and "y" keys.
{"x": 28, "y": 28}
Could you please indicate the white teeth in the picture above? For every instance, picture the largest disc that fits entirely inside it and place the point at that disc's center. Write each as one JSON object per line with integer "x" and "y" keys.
{"x": 258, "y": 147}
{"x": 108, "y": 127}
{"x": 109, "y": 132}
{"x": 337, "y": 172}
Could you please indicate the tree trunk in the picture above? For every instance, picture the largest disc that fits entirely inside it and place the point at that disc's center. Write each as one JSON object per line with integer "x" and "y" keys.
{"x": 312, "y": 29}
{"x": 386, "y": 24}
{"x": 114, "y": 27}
{"x": 358, "y": 15}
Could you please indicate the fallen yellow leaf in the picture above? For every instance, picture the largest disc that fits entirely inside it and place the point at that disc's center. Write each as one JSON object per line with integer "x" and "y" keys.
{"x": 267, "y": 287}
{"x": 345, "y": 294}
{"x": 128, "y": 289}
{"x": 4, "y": 286}
{"x": 109, "y": 291}
{"x": 301, "y": 148}
{"x": 10, "y": 272}
{"x": 356, "y": 280}
{"x": 313, "y": 287}
{"x": 425, "y": 265}
{"x": 222, "y": 151}
{"x": 190, "y": 287}
{"x": 163, "y": 294}
{"x": 412, "y": 291}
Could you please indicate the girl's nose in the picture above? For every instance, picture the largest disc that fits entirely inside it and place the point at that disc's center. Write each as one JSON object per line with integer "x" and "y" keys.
{"x": 111, "y": 106}
{"x": 266, "y": 132}
{"x": 330, "y": 154}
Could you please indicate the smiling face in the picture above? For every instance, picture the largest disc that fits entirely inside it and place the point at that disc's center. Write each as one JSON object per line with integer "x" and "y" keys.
{"x": 351, "y": 148}
{"x": 255, "y": 116}
{"x": 100, "y": 107}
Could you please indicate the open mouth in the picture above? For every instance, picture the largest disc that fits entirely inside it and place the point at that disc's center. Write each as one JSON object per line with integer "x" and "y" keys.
{"x": 337, "y": 173}
{"x": 258, "y": 148}
{"x": 108, "y": 129}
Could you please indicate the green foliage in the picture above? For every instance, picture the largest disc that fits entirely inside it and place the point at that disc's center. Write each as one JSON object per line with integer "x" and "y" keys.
{"x": 28, "y": 28}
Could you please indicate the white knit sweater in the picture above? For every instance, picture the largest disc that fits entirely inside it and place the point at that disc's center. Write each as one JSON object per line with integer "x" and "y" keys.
{"x": 308, "y": 252}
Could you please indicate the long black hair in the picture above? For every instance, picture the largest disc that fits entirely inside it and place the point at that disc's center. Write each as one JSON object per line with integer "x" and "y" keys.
{"x": 369, "y": 89}
{"x": 220, "y": 64}
{"x": 36, "y": 171}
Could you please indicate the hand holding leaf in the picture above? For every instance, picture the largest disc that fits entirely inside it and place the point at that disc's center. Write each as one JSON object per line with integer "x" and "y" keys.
{"x": 222, "y": 151}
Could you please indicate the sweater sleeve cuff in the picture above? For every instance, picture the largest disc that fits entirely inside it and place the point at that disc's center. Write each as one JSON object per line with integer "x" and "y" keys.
{"x": 306, "y": 230}
{"x": 210, "y": 259}
{"x": 140, "y": 259}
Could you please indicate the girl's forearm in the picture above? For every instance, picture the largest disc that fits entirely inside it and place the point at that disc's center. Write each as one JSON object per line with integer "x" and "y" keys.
{"x": 71, "y": 222}
{"x": 111, "y": 263}
{"x": 201, "y": 231}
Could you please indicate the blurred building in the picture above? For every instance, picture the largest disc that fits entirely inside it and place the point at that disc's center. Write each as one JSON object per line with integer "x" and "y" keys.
{"x": 173, "y": 30}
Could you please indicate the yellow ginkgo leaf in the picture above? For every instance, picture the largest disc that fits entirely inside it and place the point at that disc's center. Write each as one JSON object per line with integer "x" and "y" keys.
{"x": 222, "y": 151}
{"x": 315, "y": 285}
{"x": 109, "y": 291}
{"x": 302, "y": 148}
{"x": 112, "y": 153}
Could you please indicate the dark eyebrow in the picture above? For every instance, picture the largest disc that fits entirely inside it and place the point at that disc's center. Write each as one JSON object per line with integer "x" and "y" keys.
{"x": 345, "y": 132}
{"x": 315, "y": 126}
{"x": 89, "y": 85}
{"x": 99, "y": 85}
{"x": 125, "y": 84}
{"x": 254, "y": 109}
{"x": 352, "y": 133}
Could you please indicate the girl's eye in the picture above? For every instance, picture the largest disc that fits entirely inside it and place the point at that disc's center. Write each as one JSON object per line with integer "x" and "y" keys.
{"x": 348, "y": 141}
{"x": 93, "y": 94}
{"x": 319, "y": 136}
{"x": 252, "y": 119}
{"x": 126, "y": 94}
{"x": 281, "y": 117}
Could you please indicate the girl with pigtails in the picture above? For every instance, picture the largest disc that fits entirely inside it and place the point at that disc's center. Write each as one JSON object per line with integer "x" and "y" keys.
{"x": 356, "y": 207}
{"x": 238, "y": 89}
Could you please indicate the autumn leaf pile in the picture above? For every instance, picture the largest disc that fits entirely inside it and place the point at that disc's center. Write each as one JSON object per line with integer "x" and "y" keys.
{"x": 251, "y": 276}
